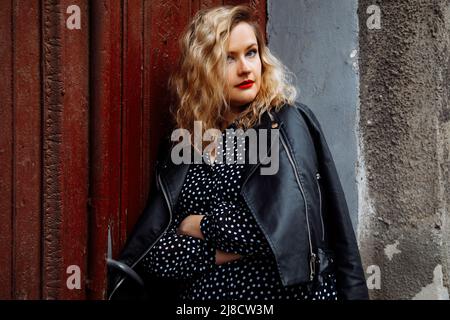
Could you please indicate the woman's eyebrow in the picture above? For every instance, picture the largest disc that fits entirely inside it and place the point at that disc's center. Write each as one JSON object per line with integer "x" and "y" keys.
{"x": 248, "y": 47}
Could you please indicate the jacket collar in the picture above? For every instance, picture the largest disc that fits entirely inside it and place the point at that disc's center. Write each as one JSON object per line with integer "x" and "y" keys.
{"x": 174, "y": 175}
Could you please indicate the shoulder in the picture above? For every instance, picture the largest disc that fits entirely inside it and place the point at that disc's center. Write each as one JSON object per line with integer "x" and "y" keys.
{"x": 298, "y": 112}
{"x": 164, "y": 149}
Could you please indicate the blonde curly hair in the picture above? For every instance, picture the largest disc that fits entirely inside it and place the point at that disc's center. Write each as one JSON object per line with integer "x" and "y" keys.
{"x": 198, "y": 83}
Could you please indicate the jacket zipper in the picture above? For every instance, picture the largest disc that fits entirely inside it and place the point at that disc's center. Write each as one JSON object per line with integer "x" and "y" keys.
{"x": 257, "y": 165}
{"x": 250, "y": 173}
{"x": 312, "y": 261}
{"x": 320, "y": 205}
{"x": 168, "y": 225}
{"x": 159, "y": 182}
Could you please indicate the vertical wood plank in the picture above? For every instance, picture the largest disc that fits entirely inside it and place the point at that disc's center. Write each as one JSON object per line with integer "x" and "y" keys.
{"x": 52, "y": 140}
{"x": 6, "y": 150}
{"x": 163, "y": 23}
{"x": 115, "y": 107}
{"x": 27, "y": 150}
{"x": 143, "y": 43}
{"x": 75, "y": 151}
{"x": 147, "y": 159}
{"x": 105, "y": 139}
{"x": 163, "y": 26}
{"x": 131, "y": 114}
{"x": 65, "y": 145}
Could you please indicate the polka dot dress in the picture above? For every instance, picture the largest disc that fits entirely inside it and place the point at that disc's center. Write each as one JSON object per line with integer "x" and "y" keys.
{"x": 212, "y": 189}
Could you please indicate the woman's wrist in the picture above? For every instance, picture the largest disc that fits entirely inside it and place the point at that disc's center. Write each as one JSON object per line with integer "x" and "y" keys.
{"x": 205, "y": 229}
{"x": 224, "y": 257}
{"x": 190, "y": 226}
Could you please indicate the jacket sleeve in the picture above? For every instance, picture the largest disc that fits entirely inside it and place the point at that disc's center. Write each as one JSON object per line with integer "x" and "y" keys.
{"x": 351, "y": 283}
{"x": 178, "y": 257}
{"x": 232, "y": 228}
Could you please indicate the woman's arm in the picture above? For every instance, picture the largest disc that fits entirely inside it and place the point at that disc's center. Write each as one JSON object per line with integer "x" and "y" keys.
{"x": 178, "y": 256}
{"x": 190, "y": 226}
{"x": 224, "y": 257}
{"x": 231, "y": 228}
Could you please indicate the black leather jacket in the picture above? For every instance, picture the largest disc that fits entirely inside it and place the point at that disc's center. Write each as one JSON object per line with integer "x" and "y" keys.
{"x": 311, "y": 230}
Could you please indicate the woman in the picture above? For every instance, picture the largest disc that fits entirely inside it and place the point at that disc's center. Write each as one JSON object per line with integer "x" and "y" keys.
{"x": 218, "y": 230}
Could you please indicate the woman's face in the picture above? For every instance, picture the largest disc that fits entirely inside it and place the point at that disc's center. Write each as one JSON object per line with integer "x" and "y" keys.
{"x": 243, "y": 64}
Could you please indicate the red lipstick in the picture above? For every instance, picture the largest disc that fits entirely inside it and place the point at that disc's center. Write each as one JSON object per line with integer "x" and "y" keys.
{"x": 245, "y": 84}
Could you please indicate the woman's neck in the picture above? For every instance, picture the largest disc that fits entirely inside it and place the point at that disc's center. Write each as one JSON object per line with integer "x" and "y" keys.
{"x": 234, "y": 113}
{"x": 230, "y": 117}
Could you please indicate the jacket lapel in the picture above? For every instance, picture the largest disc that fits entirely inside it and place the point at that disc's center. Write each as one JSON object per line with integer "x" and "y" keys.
{"x": 174, "y": 175}
{"x": 268, "y": 124}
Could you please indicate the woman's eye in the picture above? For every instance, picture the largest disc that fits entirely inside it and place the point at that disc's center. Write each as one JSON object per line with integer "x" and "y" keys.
{"x": 253, "y": 52}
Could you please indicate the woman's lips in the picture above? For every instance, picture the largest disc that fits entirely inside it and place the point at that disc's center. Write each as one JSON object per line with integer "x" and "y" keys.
{"x": 245, "y": 85}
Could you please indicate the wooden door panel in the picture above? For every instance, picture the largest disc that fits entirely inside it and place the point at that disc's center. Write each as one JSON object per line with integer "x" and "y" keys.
{"x": 6, "y": 151}
{"x": 81, "y": 117}
{"x": 143, "y": 46}
{"x": 65, "y": 153}
{"x": 27, "y": 146}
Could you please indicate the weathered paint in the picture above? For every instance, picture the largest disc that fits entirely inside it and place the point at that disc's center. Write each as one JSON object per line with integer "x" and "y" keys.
{"x": 44, "y": 142}
{"x": 391, "y": 249}
{"x": 65, "y": 121}
{"x": 435, "y": 290}
{"x": 27, "y": 132}
{"x": 105, "y": 138}
{"x": 82, "y": 115}
{"x": 6, "y": 150}
{"x": 404, "y": 130}
{"x": 401, "y": 125}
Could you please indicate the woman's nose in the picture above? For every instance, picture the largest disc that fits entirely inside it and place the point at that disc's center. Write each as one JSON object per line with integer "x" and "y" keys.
{"x": 244, "y": 66}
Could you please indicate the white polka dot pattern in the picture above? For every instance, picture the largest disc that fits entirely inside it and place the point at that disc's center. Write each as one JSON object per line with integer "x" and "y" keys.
{"x": 213, "y": 190}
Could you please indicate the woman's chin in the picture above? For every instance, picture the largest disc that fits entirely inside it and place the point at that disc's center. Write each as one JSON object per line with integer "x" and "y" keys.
{"x": 243, "y": 102}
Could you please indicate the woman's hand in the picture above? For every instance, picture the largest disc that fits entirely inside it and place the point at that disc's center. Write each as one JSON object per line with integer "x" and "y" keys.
{"x": 224, "y": 257}
{"x": 190, "y": 226}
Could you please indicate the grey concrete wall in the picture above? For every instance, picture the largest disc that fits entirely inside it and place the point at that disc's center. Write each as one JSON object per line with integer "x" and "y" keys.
{"x": 317, "y": 40}
{"x": 405, "y": 138}
{"x": 382, "y": 97}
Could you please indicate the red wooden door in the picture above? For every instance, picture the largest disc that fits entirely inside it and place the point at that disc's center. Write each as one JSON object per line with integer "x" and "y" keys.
{"x": 81, "y": 116}
{"x": 132, "y": 65}
{"x": 44, "y": 123}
